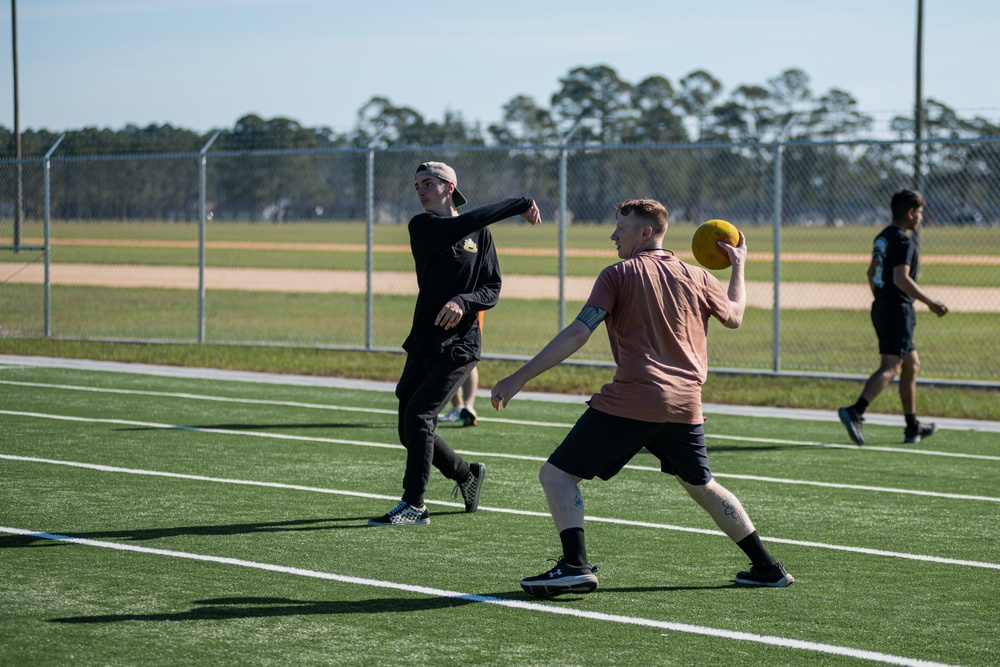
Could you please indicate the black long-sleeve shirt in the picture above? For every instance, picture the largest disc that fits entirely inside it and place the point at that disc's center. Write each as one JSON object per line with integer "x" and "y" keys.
{"x": 456, "y": 261}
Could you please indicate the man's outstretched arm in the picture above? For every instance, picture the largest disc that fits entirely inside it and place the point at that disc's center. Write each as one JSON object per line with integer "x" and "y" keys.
{"x": 565, "y": 343}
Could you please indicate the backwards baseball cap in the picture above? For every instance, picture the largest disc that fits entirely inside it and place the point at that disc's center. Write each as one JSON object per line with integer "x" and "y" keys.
{"x": 445, "y": 173}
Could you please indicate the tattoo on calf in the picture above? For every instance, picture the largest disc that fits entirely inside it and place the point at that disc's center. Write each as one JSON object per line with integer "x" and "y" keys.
{"x": 733, "y": 510}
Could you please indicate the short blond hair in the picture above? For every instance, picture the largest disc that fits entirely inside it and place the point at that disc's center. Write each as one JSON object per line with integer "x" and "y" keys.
{"x": 649, "y": 210}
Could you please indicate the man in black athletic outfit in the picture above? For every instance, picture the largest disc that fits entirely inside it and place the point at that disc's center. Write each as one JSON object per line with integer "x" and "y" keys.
{"x": 892, "y": 277}
{"x": 457, "y": 276}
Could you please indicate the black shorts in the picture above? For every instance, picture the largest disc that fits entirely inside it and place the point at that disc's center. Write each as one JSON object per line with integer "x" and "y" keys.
{"x": 894, "y": 323}
{"x": 600, "y": 445}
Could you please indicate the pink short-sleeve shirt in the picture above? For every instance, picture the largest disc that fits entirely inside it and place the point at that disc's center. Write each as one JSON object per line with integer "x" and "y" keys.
{"x": 658, "y": 309}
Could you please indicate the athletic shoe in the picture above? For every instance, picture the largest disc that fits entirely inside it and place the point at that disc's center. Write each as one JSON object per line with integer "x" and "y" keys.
{"x": 452, "y": 416}
{"x": 852, "y": 422}
{"x": 774, "y": 577}
{"x": 913, "y": 435}
{"x": 467, "y": 416}
{"x": 471, "y": 487}
{"x": 562, "y": 579}
{"x": 403, "y": 514}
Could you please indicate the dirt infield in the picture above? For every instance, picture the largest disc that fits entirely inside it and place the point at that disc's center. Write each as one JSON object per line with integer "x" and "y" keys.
{"x": 811, "y": 257}
{"x": 793, "y": 295}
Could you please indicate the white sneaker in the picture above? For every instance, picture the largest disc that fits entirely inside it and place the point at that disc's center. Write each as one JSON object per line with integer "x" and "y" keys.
{"x": 449, "y": 417}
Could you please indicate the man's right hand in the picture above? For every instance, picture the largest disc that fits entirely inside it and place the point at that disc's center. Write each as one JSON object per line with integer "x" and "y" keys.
{"x": 938, "y": 308}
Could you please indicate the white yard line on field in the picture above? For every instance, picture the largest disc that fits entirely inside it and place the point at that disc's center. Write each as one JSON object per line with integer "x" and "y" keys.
{"x": 540, "y": 459}
{"x": 370, "y": 385}
{"x": 536, "y": 607}
{"x": 502, "y": 510}
{"x": 520, "y": 422}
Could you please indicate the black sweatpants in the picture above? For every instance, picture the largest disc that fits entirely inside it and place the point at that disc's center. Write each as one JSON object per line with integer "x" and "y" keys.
{"x": 425, "y": 386}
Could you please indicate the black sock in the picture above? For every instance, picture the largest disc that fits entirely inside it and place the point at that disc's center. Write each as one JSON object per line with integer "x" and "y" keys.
{"x": 415, "y": 499}
{"x": 574, "y": 548}
{"x": 755, "y": 551}
{"x": 911, "y": 421}
{"x": 861, "y": 406}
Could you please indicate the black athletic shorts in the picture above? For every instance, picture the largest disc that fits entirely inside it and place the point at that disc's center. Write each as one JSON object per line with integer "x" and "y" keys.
{"x": 600, "y": 445}
{"x": 894, "y": 324}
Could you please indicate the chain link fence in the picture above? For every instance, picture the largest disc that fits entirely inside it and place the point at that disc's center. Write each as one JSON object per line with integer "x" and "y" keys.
{"x": 310, "y": 248}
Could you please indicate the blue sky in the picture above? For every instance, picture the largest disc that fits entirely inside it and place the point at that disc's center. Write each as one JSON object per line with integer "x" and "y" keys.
{"x": 202, "y": 64}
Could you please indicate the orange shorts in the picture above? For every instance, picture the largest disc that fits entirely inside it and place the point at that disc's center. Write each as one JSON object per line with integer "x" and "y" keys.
{"x": 482, "y": 318}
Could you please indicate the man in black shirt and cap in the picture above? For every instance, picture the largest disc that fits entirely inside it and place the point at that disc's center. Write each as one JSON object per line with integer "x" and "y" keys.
{"x": 458, "y": 275}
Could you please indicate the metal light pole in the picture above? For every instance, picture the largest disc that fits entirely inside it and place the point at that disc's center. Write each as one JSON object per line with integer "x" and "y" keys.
{"x": 918, "y": 116}
{"x": 918, "y": 108}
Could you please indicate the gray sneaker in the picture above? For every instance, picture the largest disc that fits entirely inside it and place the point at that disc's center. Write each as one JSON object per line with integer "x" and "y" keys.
{"x": 852, "y": 422}
{"x": 471, "y": 488}
{"x": 912, "y": 436}
{"x": 403, "y": 514}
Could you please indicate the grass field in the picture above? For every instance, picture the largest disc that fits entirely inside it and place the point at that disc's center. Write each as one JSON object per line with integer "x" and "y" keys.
{"x": 202, "y": 520}
{"x": 851, "y": 243}
{"x": 813, "y": 340}
{"x": 824, "y": 338}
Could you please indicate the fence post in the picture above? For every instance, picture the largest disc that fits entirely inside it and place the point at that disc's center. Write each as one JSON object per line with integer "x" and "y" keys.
{"x": 779, "y": 149}
{"x": 776, "y": 264}
{"x": 48, "y": 235}
{"x": 202, "y": 222}
{"x": 369, "y": 255}
{"x": 562, "y": 237}
{"x": 370, "y": 244}
{"x": 563, "y": 155}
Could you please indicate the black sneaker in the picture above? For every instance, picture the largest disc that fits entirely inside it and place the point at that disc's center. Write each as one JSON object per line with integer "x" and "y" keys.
{"x": 471, "y": 487}
{"x": 403, "y": 514}
{"x": 913, "y": 435}
{"x": 852, "y": 422}
{"x": 562, "y": 579}
{"x": 773, "y": 577}
{"x": 468, "y": 416}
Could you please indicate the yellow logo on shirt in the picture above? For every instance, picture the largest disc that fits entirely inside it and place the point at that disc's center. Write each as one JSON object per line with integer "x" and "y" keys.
{"x": 470, "y": 245}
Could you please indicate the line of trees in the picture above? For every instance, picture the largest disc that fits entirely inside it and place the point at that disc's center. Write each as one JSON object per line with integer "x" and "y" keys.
{"x": 613, "y": 111}
{"x": 271, "y": 168}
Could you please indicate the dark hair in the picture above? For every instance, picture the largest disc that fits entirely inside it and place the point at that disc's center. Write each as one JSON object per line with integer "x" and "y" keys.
{"x": 904, "y": 201}
{"x": 647, "y": 209}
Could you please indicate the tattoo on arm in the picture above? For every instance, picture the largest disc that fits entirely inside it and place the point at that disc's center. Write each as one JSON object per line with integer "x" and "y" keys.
{"x": 591, "y": 316}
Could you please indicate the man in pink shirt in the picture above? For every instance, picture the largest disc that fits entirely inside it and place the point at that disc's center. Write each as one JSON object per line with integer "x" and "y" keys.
{"x": 656, "y": 310}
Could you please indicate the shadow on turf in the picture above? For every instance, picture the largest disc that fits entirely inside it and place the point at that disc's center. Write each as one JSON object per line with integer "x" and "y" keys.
{"x": 144, "y": 534}
{"x": 251, "y": 427}
{"x": 665, "y": 589}
{"x": 236, "y": 608}
{"x": 217, "y": 609}
{"x": 754, "y": 448}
